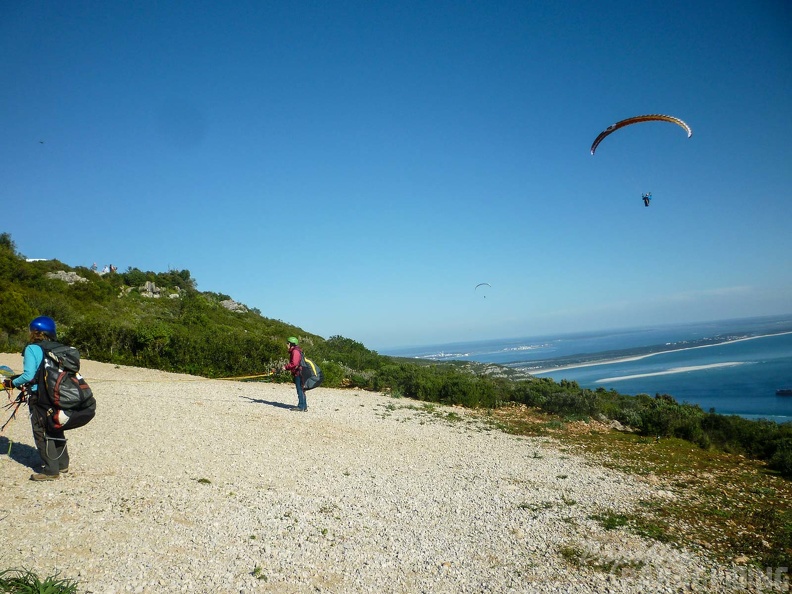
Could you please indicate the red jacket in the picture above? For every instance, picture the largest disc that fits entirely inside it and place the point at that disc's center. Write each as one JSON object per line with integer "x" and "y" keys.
{"x": 295, "y": 358}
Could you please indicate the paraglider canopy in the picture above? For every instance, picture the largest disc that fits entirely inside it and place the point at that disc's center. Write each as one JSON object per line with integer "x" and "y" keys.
{"x": 637, "y": 120}
{"x": 482, "y": 285}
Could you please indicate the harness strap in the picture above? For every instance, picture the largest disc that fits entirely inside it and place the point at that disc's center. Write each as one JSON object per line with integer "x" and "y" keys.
{"x": 47, "y": 440}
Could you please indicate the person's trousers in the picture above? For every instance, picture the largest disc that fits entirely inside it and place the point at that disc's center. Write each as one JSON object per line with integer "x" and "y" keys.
{"x": 51, "y": 446}
{"x": 302, "y": 403}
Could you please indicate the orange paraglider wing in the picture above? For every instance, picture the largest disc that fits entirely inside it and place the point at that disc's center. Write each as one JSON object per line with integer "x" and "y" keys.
{"x": 636, "y": 120}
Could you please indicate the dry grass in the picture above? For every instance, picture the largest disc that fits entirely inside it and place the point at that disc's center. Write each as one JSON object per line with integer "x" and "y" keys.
{"x": 726, "y": 504}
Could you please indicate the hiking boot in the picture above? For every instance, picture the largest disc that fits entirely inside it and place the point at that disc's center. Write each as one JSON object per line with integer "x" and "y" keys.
{"x": 44, "y": 477}
{"x": 63, "y": 470}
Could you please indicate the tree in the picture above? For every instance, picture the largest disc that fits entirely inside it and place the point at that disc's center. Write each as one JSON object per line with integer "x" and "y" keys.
{"x": 7, "y": 243}
{"x": 15, "y": 313}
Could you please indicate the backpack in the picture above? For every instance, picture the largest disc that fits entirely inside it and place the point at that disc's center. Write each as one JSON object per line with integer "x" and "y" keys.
{"x": 310, "y": 373}
{"x": 65, "y": 388}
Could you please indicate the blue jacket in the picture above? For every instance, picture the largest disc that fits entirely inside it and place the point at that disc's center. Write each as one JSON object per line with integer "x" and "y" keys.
{"x": 33, "y": 355}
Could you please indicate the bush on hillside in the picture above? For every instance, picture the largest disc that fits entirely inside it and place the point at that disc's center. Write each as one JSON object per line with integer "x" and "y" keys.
{"x": 15, "y": 313}
{"x": 781, "y": 458}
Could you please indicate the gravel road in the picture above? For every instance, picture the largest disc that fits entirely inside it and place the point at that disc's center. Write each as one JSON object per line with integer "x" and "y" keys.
{"x": 182, "y": 484}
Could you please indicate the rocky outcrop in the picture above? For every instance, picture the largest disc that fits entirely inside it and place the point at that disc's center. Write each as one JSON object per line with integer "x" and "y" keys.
{"x": 232, "y": 305}
{"x": 152, "y": 291}
{"x": 149, "y": 289}
{"x": 67, "y": 277}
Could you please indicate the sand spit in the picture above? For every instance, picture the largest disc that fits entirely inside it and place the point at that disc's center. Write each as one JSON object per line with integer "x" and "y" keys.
{"x": 182, "y": 484}
{"x": 646, "y": 356}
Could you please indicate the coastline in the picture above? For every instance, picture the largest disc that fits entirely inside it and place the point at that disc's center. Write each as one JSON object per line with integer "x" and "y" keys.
{"x": 628, "y": 359}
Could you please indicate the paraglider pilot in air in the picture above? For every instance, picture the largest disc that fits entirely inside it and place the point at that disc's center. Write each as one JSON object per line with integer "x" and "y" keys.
{"x": 647, "y": 198}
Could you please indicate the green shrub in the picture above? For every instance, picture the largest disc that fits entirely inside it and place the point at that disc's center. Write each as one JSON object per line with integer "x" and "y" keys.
{"x": 134, "y": 277}
{"x": 15, "y": 313}
{"x": 349, "y": 353}
{"x": 574, "y": 402}
{"x": 334, "y": 374}
{"x": 781, "y": 458}
{"x": 665, "y": 417}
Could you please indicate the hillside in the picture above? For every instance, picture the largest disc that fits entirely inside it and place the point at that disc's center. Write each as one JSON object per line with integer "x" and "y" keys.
{"x": 161, "y": 321}
{"x": 150, "y": 319}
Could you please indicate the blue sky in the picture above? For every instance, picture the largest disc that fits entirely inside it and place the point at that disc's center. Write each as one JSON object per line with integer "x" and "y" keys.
{"x": 357, "y": 168}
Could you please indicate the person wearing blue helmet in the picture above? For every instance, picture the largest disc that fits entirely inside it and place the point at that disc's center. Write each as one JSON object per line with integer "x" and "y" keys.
{"x": 51, "y": 444}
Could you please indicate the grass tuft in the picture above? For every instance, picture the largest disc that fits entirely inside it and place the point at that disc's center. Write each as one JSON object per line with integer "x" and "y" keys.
{"x": 23, "y": 581}
{"x": 258, "y": 573}
{"x": 580, "y": 558}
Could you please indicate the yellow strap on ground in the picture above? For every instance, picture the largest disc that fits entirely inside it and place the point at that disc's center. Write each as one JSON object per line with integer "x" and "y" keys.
{"x": 201, "y": 379}
{"x": 88, "y": 379}
{"x": 241, "y": 377}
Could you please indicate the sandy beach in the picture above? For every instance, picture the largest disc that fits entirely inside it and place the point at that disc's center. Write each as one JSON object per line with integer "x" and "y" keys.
{"x": 182, "y": 484}
{"x": 639, "y": 357}
{"x": 671, "y": 371}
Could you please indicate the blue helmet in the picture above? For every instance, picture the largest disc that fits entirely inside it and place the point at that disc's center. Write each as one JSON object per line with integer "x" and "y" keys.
{"x": 44, "y": 324}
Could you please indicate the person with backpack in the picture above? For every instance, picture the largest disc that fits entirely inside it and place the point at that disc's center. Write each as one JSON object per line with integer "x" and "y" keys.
{"x": 295, "y": 367}
{"x": 47, "y": 420}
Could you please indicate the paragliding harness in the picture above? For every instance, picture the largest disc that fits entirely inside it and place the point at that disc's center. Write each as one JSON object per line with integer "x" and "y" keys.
{"x": 62, "y": 388}
{"x": 13, "y": 403}
{"x": 310, "y": 373}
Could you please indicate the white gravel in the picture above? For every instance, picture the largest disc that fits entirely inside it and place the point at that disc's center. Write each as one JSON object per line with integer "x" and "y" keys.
{"x": 188, "y": 485}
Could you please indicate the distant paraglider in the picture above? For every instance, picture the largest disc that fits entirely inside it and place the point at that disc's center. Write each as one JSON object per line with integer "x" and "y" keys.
{"x": 482, "y": 285}
{"x": 636, "y": 120}
{"x": 647, "y": 198}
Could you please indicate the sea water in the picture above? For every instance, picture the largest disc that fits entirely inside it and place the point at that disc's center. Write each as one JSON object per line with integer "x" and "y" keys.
{"x": 731, "y": 366}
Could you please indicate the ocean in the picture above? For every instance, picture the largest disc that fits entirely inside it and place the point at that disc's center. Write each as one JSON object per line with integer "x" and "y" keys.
{"x": 731, "y": 366}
